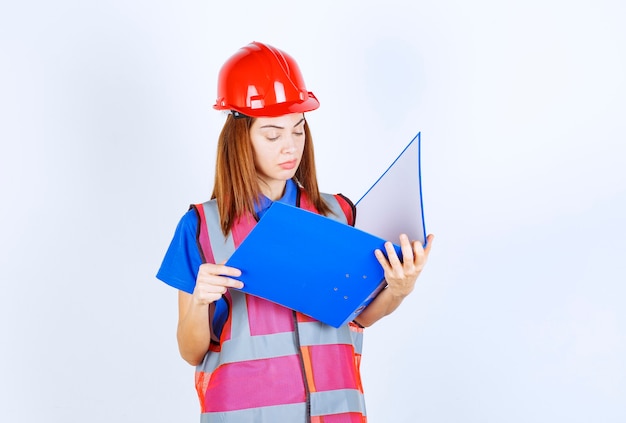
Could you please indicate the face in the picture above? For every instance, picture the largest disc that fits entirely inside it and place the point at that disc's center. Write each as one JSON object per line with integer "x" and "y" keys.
{"x": 278, "y": 143}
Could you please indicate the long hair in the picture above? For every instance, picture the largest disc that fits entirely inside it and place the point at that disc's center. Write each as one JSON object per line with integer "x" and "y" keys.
{"x": 236, "y": 185}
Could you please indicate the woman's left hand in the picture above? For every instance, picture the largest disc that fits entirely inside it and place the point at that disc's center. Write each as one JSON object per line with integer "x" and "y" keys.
{"x": 402, "y": 274}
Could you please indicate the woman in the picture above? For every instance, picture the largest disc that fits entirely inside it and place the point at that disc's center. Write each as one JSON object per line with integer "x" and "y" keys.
{"x": 257, "y": 361}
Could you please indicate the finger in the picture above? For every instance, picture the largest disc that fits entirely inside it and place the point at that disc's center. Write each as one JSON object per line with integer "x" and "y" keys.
{"x": 205, "y": 293}
{"x": 206, "y": 297}
{"x": 208, "y": 293}
{"x": 222, "y": 282}
{"x": 407, "y": 252}
{"x": 392, "y": 256}
{"x": 209, "y": 286}
{"x": 421, "y": 253}
{"x": 233, "y": 283}
{"x": 219, "y": 269}
{"x": 209, "y": 274}
{"x": 429, "y": 242}
{"x": 382, "y": 259}
{"x": 228, "y": 271}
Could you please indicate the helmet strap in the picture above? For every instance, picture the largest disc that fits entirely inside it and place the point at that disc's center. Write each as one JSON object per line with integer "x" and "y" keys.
{"x": 238, "y": 115}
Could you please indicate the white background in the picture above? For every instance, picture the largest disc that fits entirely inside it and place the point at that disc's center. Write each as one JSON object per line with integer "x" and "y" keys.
{"x": 107, "y": 135}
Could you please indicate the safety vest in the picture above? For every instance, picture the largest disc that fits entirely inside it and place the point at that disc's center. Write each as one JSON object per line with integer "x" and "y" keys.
{"x": 274, "y": 364}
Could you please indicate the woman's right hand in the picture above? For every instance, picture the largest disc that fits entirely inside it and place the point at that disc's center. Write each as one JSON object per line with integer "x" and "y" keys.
{"x": 194, "y": 329}
{"x": 213, "y": 281}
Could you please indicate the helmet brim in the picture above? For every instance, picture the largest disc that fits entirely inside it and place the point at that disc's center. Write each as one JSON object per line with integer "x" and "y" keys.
{"x": 275, "y": 110}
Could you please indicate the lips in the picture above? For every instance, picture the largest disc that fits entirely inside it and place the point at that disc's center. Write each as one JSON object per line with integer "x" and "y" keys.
{"x": 288, "y": 165}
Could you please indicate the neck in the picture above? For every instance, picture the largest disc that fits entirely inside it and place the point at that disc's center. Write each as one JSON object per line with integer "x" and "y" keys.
{"x": 273, "y": 191}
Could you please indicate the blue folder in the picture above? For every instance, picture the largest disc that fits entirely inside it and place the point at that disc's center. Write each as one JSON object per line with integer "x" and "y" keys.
{"x": 324, "y": 268}
{"x": 310, "y": 263}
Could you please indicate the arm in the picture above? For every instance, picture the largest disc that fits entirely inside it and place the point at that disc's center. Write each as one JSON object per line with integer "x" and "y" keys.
{"x": 194, "y": 330}
{"x": 400, "y": 277}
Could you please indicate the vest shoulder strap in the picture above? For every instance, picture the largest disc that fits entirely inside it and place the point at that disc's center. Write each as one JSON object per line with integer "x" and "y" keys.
{"x": 341, "y": 207}
{"x": 347, "y": 207}
{"x": 213, "y": 248}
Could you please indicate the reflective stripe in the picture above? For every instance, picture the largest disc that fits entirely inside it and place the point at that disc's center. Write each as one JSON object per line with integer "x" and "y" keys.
{"x": 277, "y": 413}
{"x": 254, "y": 348}
{"x": 336, "y": 402}
{"x": 317, "y": 333}
{"x": 257, "y": 347}
{"x": 240, "y": 325}
{"x": 222, "y": 247}
{"x": 335, "y": 207}
{"x": 357, "y": 337}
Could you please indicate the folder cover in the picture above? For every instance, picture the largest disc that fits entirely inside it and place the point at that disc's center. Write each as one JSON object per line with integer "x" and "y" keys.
{"x": 310, "y": 263}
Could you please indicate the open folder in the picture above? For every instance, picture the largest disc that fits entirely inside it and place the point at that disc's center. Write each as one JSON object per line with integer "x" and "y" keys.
{"x": 324, "y": 268}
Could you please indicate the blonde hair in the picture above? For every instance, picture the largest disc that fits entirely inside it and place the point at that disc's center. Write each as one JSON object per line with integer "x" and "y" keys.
{"x": 236, "y": 185}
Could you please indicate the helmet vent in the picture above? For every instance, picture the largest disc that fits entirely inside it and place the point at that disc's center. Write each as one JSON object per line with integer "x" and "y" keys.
{"x": 279, "y": 92}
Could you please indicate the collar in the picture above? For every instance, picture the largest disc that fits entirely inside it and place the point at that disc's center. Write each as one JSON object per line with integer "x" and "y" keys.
{"x": 289, "y": 198}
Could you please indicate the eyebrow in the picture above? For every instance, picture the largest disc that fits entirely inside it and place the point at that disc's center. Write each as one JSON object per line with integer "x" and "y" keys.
{"x": 281, "y": 127}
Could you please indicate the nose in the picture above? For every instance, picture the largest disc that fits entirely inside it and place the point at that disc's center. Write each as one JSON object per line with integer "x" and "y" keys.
{"x": 290, "y": 145}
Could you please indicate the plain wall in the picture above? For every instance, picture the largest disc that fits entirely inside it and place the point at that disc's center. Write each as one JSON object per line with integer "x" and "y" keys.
{"x": 107, "y": 135}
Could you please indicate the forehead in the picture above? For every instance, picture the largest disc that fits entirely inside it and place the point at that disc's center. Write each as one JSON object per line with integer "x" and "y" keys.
{"x": 285, "y": 121}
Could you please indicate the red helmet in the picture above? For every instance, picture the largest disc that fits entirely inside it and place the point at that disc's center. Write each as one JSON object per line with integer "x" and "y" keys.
{"x": 261, "y": 80}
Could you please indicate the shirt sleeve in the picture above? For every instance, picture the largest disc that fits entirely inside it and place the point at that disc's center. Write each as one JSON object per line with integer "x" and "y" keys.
{"x": 182, "y": 260}
{"x": 179, "y": 268}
